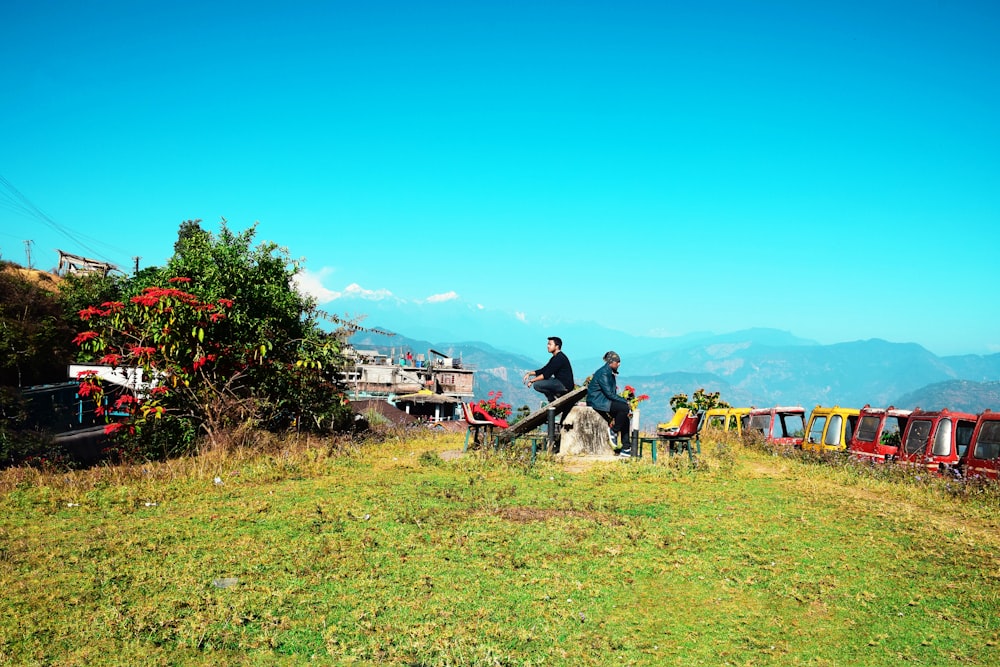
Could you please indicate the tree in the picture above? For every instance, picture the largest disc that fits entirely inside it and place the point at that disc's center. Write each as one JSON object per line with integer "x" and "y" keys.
{"x": 35, "y": 349}
{"x": 298, "y": 380}
{"x": 226, "y": 339}
{"x": 34, "y": 337}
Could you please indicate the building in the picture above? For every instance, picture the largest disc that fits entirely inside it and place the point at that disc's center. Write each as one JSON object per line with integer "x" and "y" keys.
{"x": 430, "y": 386}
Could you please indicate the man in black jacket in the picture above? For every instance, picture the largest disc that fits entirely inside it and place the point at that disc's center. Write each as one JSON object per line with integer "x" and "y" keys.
{"x": 602, "y": 395}
{"x": 554, "y": 378}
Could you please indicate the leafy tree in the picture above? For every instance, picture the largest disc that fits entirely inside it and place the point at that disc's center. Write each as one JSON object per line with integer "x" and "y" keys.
{"x": 34, "y": 337}
{"x": 79, "y": 291}
{"x": 34, "y": 349}
{"x": 227, "y": 339}
{"x": 297, "y": 381}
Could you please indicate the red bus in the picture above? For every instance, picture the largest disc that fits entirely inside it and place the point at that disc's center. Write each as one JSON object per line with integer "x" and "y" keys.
{"x": 879, "y": 433}
{"x": 937, "y": 440}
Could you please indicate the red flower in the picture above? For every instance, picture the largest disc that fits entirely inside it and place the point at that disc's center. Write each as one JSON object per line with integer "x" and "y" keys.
{"x": 227, "y": 303}
{"x": 494, "y": 406}
{"x": 113, "y": 305}
{"x": 86, "y": 374}
{"x": 86, "y": 389}
{"x": 145, "y": 300}
{"x": 159, "y": 389}
{"x": 215, "y": 317}
{"x": 201, "y": 361}
{"x": 111, "y": 429}
{"x": 179, "y": 279}
{"x": 89, "y": 312}
{"x": 139, "y": 350}
{"x": 110, "y": 359}
{"x": 124, "y": 399}
{"x": 84, "y": 337}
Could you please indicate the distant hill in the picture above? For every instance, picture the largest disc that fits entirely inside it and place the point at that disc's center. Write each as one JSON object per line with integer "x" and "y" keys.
{"x": 962, "y": 395}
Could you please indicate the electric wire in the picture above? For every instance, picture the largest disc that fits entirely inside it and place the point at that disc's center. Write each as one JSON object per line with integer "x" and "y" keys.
{"x": 14, "y": 201}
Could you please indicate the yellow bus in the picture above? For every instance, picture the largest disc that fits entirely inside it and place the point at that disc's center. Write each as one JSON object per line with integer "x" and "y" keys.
{"x": 830, "y": 429}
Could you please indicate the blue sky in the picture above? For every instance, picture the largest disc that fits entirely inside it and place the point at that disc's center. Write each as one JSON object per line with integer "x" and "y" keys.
{"x": 830, "y": 168}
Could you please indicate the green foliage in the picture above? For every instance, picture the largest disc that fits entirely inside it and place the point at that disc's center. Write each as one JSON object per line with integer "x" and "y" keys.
{"x": 296, "y": 385}
{"x": 34, "y": 336}
{"x": 700, "y": 402}
{"x": 226, "y": 338}
{"x": 891, "y": 438}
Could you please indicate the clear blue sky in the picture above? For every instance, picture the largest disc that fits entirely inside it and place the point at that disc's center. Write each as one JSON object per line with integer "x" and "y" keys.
{"x": 827, "y": 168}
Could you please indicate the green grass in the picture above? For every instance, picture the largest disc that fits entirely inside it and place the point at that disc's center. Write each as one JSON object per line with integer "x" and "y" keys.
{"x": 385, "y": 553}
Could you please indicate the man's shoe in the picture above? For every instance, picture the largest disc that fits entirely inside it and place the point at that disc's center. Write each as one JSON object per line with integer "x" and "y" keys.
{"x": 612, "y": 437}
{"x": 625, "y": 454}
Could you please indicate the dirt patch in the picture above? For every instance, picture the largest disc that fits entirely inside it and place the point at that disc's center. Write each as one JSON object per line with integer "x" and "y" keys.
{"x": 570, "y": 464}
{"x": 42, "y": 279}
{"x": 534, "y": 514}
{"x": 578, "y": 464}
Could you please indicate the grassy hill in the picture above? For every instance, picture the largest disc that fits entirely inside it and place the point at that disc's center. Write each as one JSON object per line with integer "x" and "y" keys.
{"x": 350, "y": 553}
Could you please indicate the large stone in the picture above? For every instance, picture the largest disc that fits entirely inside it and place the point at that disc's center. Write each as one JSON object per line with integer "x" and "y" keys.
{"x": 584, "y": 432}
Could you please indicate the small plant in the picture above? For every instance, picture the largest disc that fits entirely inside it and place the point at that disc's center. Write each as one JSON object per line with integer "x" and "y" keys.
{"x": 699, "y": 401}
{"x": 494, "y": 406}
{"x": 632, "y": 398}
{"x": 522, "y": 413}
{"x": 891, "y": 439}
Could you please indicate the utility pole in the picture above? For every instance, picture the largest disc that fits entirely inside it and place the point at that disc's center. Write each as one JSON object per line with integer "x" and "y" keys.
{"x": 136, "y": 259}
{"x": 27, "y": 252}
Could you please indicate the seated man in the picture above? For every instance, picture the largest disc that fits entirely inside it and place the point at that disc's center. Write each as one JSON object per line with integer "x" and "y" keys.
{"x": 554, "y": 378}
{"x": 602, "y": 395}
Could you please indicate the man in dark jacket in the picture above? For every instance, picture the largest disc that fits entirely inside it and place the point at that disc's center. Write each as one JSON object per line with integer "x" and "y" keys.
{"x": 554, "y": 378}
{"x": 602, "y": 395}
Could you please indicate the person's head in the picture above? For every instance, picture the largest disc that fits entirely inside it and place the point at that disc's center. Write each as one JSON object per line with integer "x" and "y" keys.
{"x": 554, "y": 344}
{"x": 612, "y": 359}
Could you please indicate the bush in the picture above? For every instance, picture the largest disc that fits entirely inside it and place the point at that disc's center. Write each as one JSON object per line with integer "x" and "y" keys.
{"x": 225, "y": 342}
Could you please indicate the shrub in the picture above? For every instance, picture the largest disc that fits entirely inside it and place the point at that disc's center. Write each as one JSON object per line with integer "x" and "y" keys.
{"x": 223, "y": 341}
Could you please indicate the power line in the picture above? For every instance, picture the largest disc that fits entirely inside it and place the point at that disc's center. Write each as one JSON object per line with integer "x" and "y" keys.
{"x": 12, "y": 200}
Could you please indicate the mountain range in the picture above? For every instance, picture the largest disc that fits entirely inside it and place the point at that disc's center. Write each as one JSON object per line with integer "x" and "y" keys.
{"x": 751, "y": 367}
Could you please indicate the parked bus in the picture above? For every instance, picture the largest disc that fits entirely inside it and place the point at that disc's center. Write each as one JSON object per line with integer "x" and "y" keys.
{"x": 726, "y": 419}
{"x": 781, "y": 425}
{"x": 830, "y": 429}
{"x": 879, "y": 433}
{"x": 936, "y": 440}
{"x": 982, "y": 458}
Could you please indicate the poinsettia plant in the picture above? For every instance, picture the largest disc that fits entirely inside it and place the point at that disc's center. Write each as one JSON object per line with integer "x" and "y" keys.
{"x": 167, "y": 332}
{"x": 494, "y": 406}
{"x": 633, "y": 399}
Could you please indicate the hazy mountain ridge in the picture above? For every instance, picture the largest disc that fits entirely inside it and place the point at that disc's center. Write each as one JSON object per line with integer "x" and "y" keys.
{"x": 959, "y": 395}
